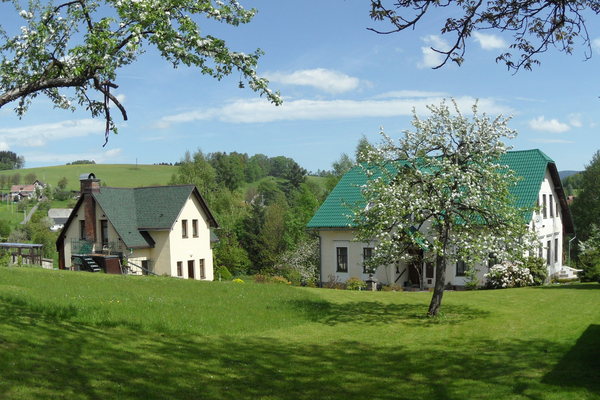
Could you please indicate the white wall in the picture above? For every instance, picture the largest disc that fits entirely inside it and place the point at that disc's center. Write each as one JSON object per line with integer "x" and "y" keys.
{"x": 547, "y": 229}
{"x": 191, "y": 248}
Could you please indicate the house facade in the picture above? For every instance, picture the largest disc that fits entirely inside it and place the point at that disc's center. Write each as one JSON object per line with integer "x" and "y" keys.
{"x": 19, "y": 192}
{"x": 343, "y": 257}
{"x": 165, "y": 230}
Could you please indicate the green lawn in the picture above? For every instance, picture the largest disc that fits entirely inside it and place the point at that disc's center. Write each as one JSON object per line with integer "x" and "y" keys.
{"x": 90, "y": 336}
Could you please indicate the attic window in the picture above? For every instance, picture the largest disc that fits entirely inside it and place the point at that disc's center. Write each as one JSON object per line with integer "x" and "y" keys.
{"x": 184, "y": 231}
{"x": 195, "y": 228}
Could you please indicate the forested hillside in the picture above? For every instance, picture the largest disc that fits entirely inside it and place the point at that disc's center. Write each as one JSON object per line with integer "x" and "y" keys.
{"x": 262, "y": 205}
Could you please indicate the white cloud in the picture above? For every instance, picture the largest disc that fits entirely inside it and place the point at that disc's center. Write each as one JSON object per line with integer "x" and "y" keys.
{"x": 596, "y": 44}
{"x": 539, "y": 140}
{"x": 4, "y": 146}
{"x": 575, "y": 120}
{"x": 53, "y": 157}
{"x": 410, "y": 93}
{"x": 552, "y": 125}
{"x": 432, "y": 58}
{"x": 327, "y": 80}
{"x": 489, "y": 42}
{"x": 39, "y": 135}
{"x": 261, "y": 111}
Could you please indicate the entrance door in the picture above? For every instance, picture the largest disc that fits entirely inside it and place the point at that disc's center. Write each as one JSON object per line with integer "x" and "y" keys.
{"x": 413, "y": 273}
{"x": 191, "y": 269}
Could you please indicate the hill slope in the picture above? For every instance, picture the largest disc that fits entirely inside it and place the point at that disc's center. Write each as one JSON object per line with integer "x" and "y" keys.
{"x": 119, "y": 175}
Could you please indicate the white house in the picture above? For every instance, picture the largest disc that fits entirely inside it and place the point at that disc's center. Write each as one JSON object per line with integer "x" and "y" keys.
{"x": 165, "y": 230}
{"x": 342, "y": 257}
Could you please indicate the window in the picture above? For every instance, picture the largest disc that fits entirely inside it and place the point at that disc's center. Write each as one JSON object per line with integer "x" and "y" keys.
{"x": 551, "y": 204}
{"x": 548, "y": 252}
{"x": 202, "y": 271}
{"x": 544, "y": 213}
{"x": 555, "y": 250}
{"x": 195, "y": 228}
{"x": 541, "y": 252}
{"x": 461, "y": 268}
{"x": 104, "y": 232}
{"x": 82, "y": 229}
{"x": 184, "y": 233}
{"x": 429, "y": 270}
{"x": 191, "y": 269}
{"x": 179, "y": 268}
{"x": 342, "y": 259}
{"x": 367, "y": 254}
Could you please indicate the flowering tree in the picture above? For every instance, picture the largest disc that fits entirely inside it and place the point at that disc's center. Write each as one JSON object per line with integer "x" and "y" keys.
{"x": 81, "y": 44}
{"x": 441, "y": 189}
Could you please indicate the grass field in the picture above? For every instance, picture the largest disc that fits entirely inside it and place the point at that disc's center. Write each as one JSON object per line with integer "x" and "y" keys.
{"x": 90, "y": 336}
{"x": 117, "y": 175}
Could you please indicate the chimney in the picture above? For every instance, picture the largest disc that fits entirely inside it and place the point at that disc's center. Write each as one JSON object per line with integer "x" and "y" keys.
{"x": 89, "y": 185}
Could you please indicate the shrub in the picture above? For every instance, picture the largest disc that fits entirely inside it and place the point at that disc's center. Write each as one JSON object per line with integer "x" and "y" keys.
{"x": 472, "y": 281}
{"x": 537, "y": 268}
{"x": 260, "y": 278}
{"x": 508, "y": 275}
{"x": 355, "y": 284}
{"x": 333, "y": 283}
{"x": 394, "y": 287}
{"x": 223, "y": 273}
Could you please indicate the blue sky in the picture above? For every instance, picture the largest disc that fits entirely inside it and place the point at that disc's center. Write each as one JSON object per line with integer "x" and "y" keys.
{"x": 339, "y": 82}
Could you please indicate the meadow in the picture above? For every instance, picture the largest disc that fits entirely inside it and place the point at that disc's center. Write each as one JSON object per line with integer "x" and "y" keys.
{"x": 92, "y": 336}
{"x": 116, "y": 175}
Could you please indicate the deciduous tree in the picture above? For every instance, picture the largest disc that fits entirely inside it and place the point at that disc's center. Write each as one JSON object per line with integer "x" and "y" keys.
{"x": 82, "y": 45}
{"x": 440, "y": 188}
{"x": 534, "y": 25}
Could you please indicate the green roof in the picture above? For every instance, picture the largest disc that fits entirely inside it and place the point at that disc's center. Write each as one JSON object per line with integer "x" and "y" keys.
{"x": 133, "y": 211}
{"x": 336, "y": 210}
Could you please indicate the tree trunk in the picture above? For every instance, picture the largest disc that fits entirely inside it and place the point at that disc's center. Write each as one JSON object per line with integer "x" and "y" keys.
{"x": 440, "y": 273}
{"x": 438, "y": 290}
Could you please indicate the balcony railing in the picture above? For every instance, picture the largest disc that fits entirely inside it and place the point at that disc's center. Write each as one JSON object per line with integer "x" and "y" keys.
{"x": 87, "y": 247}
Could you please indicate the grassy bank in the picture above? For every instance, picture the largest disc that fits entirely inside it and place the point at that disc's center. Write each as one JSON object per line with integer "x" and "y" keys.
{"x": 85, "y": 336}
{"x": 117, "y": 175}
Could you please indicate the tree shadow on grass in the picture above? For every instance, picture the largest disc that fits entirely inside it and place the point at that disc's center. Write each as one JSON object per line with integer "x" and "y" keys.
{"x": 45, "y": 358}
{"x": 376, "y": 313}
{"x": 580, "y": 366}
{"x": 572, "y": 286}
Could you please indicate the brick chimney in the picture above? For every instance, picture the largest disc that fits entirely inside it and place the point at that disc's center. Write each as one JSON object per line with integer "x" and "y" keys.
{"x": 89, "y": 185}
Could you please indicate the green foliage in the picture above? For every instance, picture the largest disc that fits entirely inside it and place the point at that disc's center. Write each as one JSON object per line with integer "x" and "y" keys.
{"x": 362, "y": 149}
{"x": 82, "y": 162}
{"x": 586, "y": 207}
{"x": 73, "y": 52}
{"x": 29, "y": 178}
{"x": 62, "y": 183}
{"x": 472, "y": 281}
{"x": 342, "y": 165}
{"x": 589, "y": 256}
{"x": 446, "y": 176}
{"x": 538, "y": 269}
{"x": 222, "y": 273}
{"x": 9, "y": 159}
{"x": 355, "y": 284}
